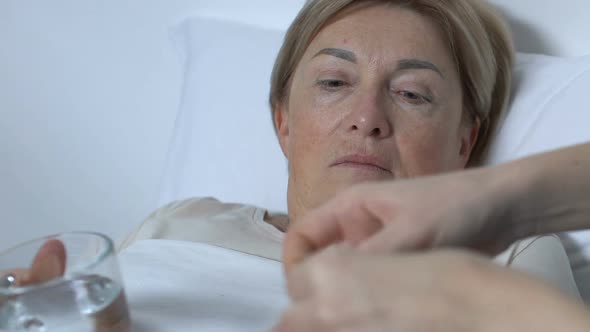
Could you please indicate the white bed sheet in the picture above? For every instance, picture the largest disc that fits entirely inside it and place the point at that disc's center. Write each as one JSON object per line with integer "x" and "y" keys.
{"x": 181, "y": 286}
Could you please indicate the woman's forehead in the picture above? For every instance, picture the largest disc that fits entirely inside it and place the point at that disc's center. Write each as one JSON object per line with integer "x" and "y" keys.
{"x": 382, "y": 33}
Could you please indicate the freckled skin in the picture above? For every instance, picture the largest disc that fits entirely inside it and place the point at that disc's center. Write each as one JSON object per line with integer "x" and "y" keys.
{"x": 410, "y": 120}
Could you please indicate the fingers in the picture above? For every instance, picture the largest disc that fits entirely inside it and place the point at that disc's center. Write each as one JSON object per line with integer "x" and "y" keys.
{"x": 308, "y": 317}
{"x": 315, "y": 287}
{"x": 299, "y": 285}
{"x": 298, "y": 318}
{"x": 345, "y": 218}
{"x": 49, "y": 263}
{"x": 320, "y": 228}
{"x": 312, "y": 315}
{"x": 402, "y": 238}
{"x": 322, "y": 268}
{"x": 424, "y": 291}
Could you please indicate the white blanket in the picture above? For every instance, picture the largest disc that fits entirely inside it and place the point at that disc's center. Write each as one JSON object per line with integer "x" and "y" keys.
{"x": 181, "y": 286}
{"x": 187, "y": 286}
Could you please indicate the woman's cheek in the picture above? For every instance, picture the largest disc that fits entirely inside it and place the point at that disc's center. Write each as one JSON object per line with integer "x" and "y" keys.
{"x": 314, "y": 122}
{"x": 423, "y": 151}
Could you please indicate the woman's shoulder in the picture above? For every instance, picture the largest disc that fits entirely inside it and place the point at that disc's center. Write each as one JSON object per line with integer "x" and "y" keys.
{"x": 196, "y": 207}
{"x": 192, "y": 217}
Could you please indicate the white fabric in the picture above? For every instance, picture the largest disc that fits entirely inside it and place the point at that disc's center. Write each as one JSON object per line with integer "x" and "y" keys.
{"x": 545, "y": 258}
{"x": 207, "y": 220}
{"x": 270, "y": 14}
{"x": 224, "y": 145}
{"x": 548, "y": 27}
{"x": 181, "y": 286}
{"x": 549, "y": 111}
{"x": 577, "y": 246}
{"x": 243, "y": 228}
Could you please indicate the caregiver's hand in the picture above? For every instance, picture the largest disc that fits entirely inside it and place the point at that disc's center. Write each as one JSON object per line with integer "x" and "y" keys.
{"x": 406, "y": 215}
{"x": 49, "y": 263}
{"x": 484, "y": 209}
{"x": 343, "y": 289}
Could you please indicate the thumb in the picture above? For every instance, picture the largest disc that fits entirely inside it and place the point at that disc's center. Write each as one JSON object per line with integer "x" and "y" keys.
{"x": 400, "y": 238}
{"x": 49, "y": 263}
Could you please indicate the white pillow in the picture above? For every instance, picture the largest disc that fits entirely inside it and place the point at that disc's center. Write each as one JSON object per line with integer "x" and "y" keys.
{"x": 548, "y": 108}
{"x": 224, "y": 143}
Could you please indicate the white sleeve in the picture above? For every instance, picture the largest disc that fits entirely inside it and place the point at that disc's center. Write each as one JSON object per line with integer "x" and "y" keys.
{"x": 153, "y": 224}
{"x": 545, "y": 257}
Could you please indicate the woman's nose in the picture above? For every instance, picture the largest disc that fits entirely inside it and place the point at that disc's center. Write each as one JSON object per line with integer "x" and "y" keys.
{"x": 370, "y": 116}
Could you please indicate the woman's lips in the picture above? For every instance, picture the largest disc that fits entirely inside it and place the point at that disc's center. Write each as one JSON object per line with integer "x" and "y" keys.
{"x": 362, "y": 162}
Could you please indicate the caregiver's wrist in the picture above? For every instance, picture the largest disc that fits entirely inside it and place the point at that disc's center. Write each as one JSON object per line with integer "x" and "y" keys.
{"x": 544, "y": 193}
{"x": 524, "y": 189}
{"x": 507, "y": 190}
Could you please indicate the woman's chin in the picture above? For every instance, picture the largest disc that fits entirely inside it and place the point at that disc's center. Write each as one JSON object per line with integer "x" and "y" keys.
{"x": 354, "y": 173}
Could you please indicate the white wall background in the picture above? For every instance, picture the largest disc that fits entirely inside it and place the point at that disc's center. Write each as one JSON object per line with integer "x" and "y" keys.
{"x": 88, "y": 98}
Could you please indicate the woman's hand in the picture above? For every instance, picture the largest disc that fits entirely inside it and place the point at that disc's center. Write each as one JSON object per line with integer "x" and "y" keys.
{"x": 343, "y": 289}
{"x": 49, "y": 263}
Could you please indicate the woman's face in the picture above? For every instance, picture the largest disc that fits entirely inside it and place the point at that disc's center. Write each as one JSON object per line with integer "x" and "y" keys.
{"x": 375, "y": 97}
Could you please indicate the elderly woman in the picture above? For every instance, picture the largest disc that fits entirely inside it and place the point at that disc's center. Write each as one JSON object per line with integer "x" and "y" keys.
{"x": 366, "y": 91}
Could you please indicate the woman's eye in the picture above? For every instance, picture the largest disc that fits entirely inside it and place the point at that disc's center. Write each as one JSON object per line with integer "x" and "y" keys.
{"x": 414, "y": 98}
{"x": 331, "y": 84}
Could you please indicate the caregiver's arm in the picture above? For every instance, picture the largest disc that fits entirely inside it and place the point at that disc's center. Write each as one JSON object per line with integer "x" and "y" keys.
{"x": 553, "y": 191}
{"x": 486, "y": 208}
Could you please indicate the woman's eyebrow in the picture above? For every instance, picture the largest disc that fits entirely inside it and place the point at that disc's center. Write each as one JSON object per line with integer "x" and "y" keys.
{"x": 401, "y": 65}
{"x": 418, "y": 64}
{"x": 339, "y": 53}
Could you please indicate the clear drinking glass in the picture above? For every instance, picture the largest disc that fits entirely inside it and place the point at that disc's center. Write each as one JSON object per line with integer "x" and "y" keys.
{"x": 88, "y": 297}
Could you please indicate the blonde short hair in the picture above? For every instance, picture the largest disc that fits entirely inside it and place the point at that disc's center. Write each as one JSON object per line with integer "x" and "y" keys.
{"x": 478, "y": 38}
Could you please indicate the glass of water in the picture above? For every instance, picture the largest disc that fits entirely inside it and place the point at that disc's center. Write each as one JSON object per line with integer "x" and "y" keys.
{"x": 89, "y": 296}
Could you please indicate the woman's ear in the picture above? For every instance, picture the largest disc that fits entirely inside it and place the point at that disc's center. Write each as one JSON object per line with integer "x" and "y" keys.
{"x": 281, "y": 121}
{"x": 469, "y": 136}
